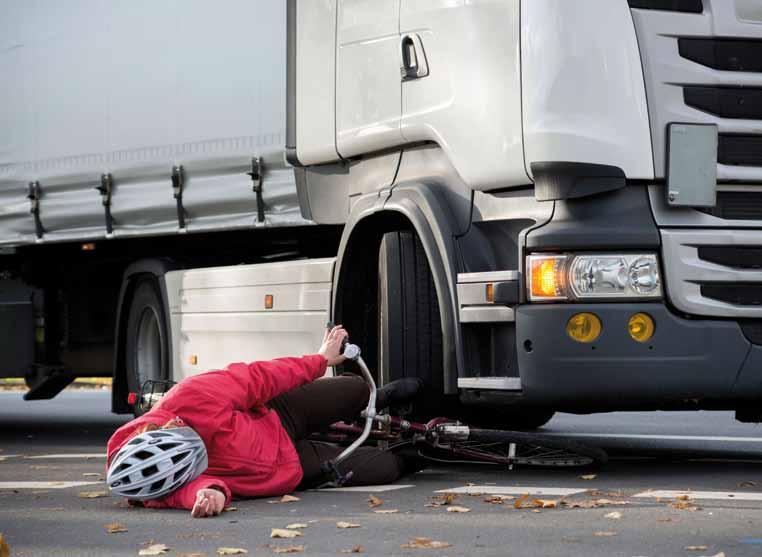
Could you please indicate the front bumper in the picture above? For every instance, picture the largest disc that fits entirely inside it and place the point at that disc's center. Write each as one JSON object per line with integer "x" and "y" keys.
{"x": 704, "y": 363}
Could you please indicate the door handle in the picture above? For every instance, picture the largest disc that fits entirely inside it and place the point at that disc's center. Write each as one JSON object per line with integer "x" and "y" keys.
{"x": 414, "y": 64}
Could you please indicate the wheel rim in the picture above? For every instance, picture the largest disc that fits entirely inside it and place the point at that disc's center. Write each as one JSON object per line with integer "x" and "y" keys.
{"x": 149, "y": 360}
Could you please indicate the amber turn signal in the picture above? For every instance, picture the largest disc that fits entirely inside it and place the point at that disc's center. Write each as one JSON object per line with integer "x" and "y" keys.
{"x": 547, "y": 277}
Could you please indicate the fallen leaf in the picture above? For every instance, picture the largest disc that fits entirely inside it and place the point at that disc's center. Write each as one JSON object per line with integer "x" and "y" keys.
{"x": 444, "y": 499}
{"x": 683, "y": 497}
{"x": 616, "y": 515}
{"x": 230, "y": 509}
{"x": 588, "y": 477}
{"x": 424, "y": 543}
{"x": 604, "y": 534}
{"x": 289, "y": 549}
{"x": 192, "y": 554}
{"x": 297, "y": 526}
{"x": 231, "y": 551}
{"x": 92, "y": 494}
{"x": 498, "y": 499}
{"x": 536, "y": 511}
{"x": 520, "y": 502}
{"x": 696, "y": 547}
{"x": 388, "y": 511}
{"x": 355, "y": 549}
{"x": 286, "y": 499}
{"x": 283, "y": 533}
{"x": 91, "y": 475}
{"x": 684, "y": 505}
{"x": 545, "y": 503}
{"x": 115, "y": 528}
{"x": 457, "y": 509}
{"x": 747, "y": 484}
{"x": 342, "y": 524}
{"x": 665, "y": 519}
{"x": 375, "y": 501}
{"x": 155, "y": 549}
{"x": 5, "y": 551}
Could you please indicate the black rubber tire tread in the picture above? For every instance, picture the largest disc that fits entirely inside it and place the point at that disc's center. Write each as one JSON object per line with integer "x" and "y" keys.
{"x": 598, "y": 456}
{"x": 146, "y": 294}
{"x": 409, "y": 316}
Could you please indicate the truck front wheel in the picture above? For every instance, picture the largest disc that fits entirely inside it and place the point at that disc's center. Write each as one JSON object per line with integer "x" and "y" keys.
{"x": 147, "y": 342}
{"x": 409, "y": 326}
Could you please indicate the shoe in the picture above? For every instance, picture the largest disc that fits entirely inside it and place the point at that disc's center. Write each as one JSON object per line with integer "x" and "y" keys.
{"x": 398, "y": 391}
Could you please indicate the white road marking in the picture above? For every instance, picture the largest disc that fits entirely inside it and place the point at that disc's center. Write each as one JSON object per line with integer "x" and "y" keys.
{"x": 71, "y": 455}
{"x": 663, "y": 437}
{"x": 366, "y": 488}
{"x": 43, "y": 485}
{"x": 717, "y": 495}
{"x": 512, "y": 490}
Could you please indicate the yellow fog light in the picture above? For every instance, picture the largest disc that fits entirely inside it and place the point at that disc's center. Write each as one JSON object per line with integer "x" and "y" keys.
{"x": 584, "y": 327}
{"x": 641, "y": 327}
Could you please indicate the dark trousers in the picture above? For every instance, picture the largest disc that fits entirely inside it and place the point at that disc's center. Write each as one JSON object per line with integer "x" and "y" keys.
{"x": 315, "y": 406}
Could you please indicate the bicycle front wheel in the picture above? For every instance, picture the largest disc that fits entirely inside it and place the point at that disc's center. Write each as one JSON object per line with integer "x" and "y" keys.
{"x": 517, "y": 447}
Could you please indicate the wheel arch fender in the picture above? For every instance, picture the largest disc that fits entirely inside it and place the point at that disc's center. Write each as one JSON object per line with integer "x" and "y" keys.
{"x": 155, "y": 268}
{"x": 419, "y": 206}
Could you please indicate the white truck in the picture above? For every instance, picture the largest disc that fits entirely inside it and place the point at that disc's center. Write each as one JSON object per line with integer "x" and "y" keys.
{"x": 534, "y": 205}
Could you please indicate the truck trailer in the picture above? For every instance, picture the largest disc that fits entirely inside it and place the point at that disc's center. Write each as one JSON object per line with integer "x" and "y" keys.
{"x": 533, "y": 205}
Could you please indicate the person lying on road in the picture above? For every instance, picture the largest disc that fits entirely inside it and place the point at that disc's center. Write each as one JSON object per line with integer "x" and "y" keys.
{"x": 243, "y": 431}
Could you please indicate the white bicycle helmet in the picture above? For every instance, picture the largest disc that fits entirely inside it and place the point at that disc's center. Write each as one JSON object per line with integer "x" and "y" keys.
{"x": 155, "y": 463}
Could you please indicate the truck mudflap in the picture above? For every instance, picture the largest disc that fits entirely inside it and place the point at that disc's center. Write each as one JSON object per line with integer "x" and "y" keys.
{"x": 685, "y": 362}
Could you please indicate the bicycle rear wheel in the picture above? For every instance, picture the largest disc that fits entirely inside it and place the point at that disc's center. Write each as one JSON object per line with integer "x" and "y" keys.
{"x": 517, "y": 447}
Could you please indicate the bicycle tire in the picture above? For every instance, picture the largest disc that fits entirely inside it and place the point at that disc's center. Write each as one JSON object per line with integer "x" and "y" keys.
{"x": 531, "y": 449}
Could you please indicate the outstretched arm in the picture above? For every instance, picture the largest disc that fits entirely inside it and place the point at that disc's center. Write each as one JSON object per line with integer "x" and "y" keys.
{"x": 204, "y": 496}
{"x": 249, "y": 385}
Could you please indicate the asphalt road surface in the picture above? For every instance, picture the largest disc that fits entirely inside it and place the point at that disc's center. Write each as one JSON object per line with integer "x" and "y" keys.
{"x": 677, "y": 484}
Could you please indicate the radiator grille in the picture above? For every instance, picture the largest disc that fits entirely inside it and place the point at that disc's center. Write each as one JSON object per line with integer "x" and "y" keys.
{"x": 736, "y": 205}
{"x": 738, "y": 257}
{"x": 736, "y": 294}
{"x": 735, "y": 55}
{"x": 726, "y": 102}
{"x": 740, "y": 149}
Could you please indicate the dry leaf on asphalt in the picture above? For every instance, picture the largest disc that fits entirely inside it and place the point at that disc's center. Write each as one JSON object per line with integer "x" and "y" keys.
{"x": 115, "y": 528}
{"x": 91, "y": 475}
{"x": 696, "y": 547}
{"x": 425, "y": 543}
{"x": 588, "y": 477}
{"x": 457, "y": 509}
{"x": 375, "y": 501}
{"x": 286, "y": 499}
{"x": 230, "y": 509}
{"x": 386, "y": 511}
{"x": 231, "y": 551}
{"x": 297, "y": 526}
{"x": 747, "y": 484}
{"x": 616, "y": 515}
{"x": 342, "y": 524}
{"x": 5, "y": 551}
{"x": 289, "y": 549}
{"x": 684, "y": 504}
{"x": 155, "y": 549}
{"x": 498, "y": 499}
{"x": 355, "y": 549}
{"x": 604, "y": 534}
{"x": 520, "y": 503}
{"x": 444, "y": 499}
{"x": 92, "y": 494}
{"x": 283, "y": 533}
{"x": 545, "y": 503}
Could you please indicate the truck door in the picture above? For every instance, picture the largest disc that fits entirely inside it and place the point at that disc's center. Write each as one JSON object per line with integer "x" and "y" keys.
{"x": 368, "y": 85}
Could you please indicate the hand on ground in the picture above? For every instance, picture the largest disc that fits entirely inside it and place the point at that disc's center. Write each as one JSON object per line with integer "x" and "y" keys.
{"x": 209, "y": 502}
{"x": 331, "y": 348}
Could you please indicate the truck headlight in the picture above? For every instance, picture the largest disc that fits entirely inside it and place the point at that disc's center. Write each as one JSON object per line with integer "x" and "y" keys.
{"x": 602, "y": 276}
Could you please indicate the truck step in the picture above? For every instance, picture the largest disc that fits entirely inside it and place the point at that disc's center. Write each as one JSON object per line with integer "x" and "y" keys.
{"x": 49, "y": 381}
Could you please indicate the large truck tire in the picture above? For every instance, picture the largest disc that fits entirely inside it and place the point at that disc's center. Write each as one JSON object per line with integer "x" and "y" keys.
{"x": 409, "y": 326}
{"x": 147, "y": 339}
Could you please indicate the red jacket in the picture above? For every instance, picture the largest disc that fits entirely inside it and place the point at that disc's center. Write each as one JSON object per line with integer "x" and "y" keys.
{"x": 250, "y": 453}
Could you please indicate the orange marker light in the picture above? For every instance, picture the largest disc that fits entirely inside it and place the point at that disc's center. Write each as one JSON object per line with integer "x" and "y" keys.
{"x": 193, "y": 360}
{"x": 547, "y": 277}
{"x": 90, "y": 246}
{"x": 490, "y": 293}
{"x": 268, "y": 301}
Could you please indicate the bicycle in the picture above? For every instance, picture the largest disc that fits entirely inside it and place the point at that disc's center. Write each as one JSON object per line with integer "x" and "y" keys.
{"x": 447, "y": 440}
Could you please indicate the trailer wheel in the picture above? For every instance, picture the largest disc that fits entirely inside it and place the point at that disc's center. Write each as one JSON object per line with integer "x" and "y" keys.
{"x": 409, "y": 326}
{"x": 147, "y": 342}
